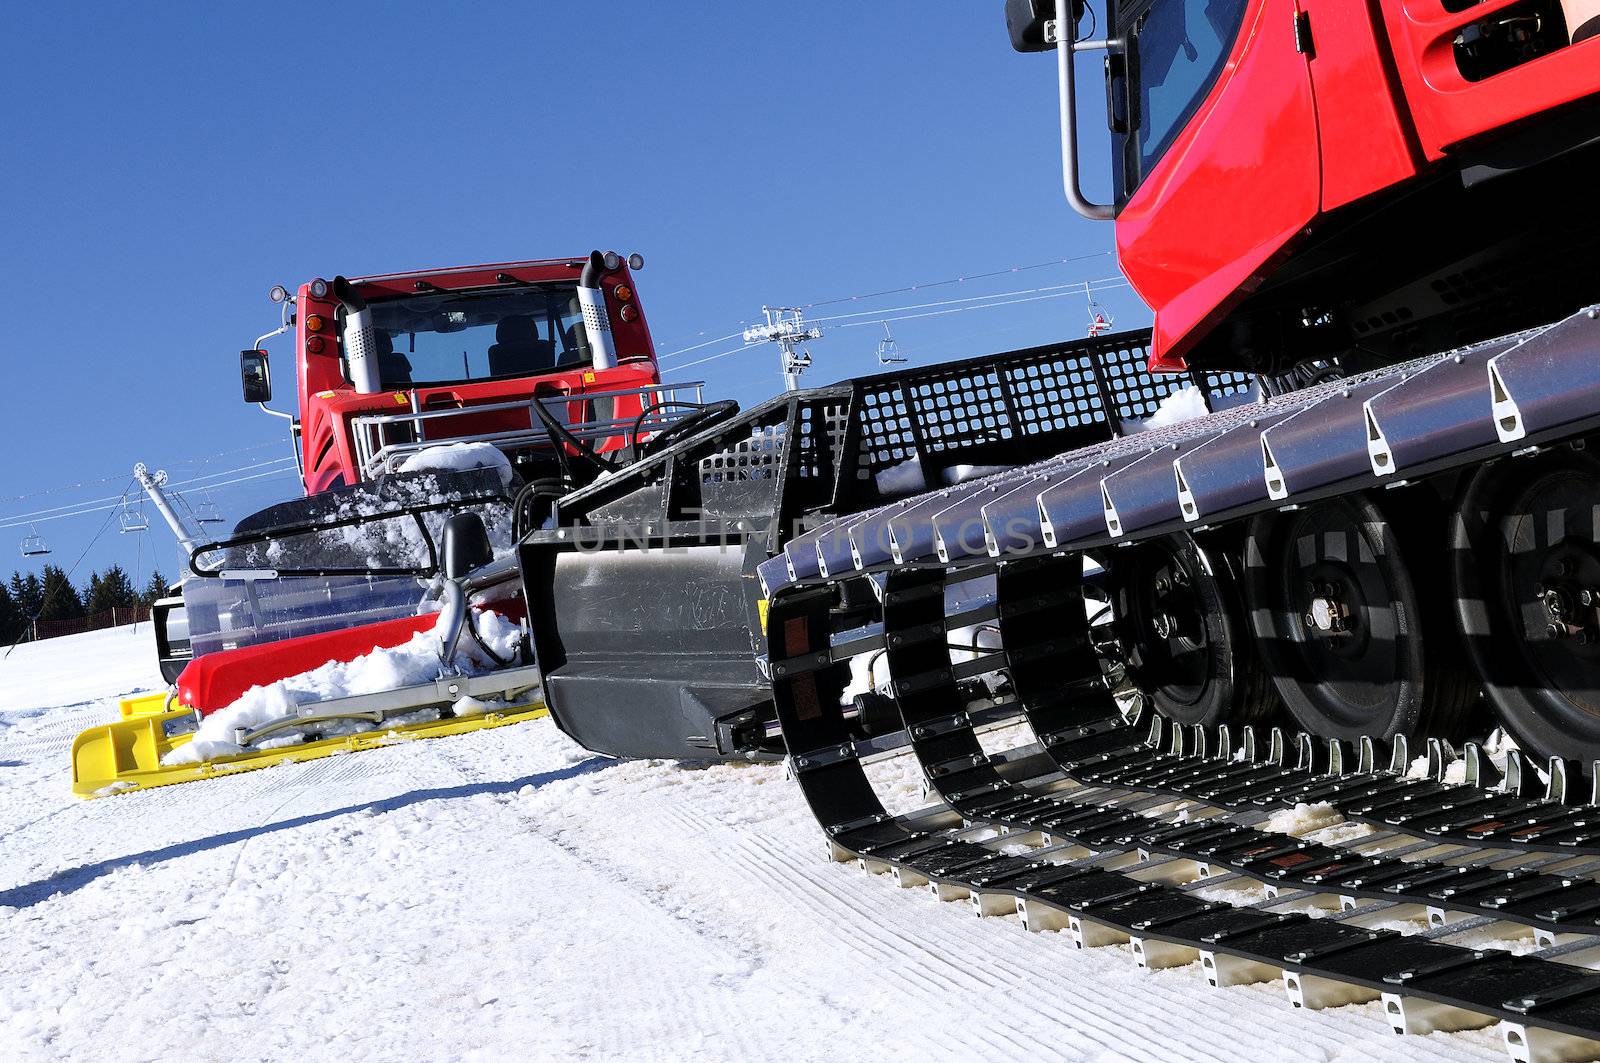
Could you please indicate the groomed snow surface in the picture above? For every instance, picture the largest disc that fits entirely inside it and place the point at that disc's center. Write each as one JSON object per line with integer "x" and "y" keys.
{"x": 506, "y": 895}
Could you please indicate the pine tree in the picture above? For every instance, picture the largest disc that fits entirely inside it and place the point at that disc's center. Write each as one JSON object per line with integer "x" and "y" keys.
{"x": 91, "y": 593}
{"x": 10, "y": 617}
{"x": 109, "y": 590}
{"x": 61, "y": 601}
{"x": 155, "y": 590}
{"x": 28, "y": 594}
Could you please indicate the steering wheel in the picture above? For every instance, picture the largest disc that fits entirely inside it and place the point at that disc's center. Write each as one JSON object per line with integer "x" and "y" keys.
{"x": 580, "y": 463}
{"x": 704, "y": 417}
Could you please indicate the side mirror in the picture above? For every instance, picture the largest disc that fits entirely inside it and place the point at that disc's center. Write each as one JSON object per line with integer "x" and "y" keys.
{"x": 256, "y": 375}
{"x": 1025, "y": 21}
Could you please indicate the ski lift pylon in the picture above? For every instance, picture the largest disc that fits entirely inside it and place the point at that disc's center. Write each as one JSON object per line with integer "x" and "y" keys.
{"x": 33, "y": 544}
{"x": 888, "y": 349}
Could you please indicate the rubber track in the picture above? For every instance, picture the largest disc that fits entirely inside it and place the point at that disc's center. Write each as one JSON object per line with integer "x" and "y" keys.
{"x": 1085, "y": 740}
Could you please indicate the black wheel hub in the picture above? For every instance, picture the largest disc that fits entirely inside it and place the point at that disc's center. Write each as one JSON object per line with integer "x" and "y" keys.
{"x": 1552, "y": 578}
{"x": 1161, "y": 625}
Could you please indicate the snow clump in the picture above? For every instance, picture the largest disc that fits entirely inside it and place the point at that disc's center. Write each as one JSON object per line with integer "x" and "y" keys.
{"x": 413, "y": 662}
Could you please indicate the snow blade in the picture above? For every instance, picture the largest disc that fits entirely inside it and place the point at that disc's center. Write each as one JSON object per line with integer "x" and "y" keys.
{"x": 126, "y": 755}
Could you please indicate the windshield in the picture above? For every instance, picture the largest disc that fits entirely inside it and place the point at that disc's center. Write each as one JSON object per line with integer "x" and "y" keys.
{"x": 453, "y": 337}
{"x": 1181, "y": 46}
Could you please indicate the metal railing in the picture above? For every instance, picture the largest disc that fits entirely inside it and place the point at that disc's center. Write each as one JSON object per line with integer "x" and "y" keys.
{"x": 378, "y": 453}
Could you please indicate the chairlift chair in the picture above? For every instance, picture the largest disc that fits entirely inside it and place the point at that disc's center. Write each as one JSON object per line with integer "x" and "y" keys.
{"x": 132, "y": 519}
{"x": 888, "y": 349}
{"x": 203, "y": 512}
{"x": 208, "y": 512}
{"x": 1100, "y": 319}
{"x": 33, "y": 544}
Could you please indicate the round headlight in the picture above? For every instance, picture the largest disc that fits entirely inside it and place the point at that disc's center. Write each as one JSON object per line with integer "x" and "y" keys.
{"x": 314, "y": 344}
{"x": 636, "y": 261}
{"x": 315, "y": 323}
{"x": 278, "y": 294}
{"x": 628, "y": 313}
{"x": 613, "y": 260}
{"x": 319, "y": 288}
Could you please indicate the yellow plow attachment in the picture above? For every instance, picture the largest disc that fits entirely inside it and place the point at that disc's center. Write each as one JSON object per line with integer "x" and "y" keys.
{"x": 126, "y": 755}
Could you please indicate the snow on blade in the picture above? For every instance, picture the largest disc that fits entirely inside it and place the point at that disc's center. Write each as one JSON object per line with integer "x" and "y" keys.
{"x": 416, "y": 661}
{"x": 460, "y": 457}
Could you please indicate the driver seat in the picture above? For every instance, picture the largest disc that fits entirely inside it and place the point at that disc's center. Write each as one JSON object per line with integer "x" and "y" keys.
{"x": 394, "y": 368}
{"x": 518, "y": 350}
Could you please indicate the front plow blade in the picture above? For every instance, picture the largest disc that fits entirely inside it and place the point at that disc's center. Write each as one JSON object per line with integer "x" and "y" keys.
{"x": 126, "y": 755}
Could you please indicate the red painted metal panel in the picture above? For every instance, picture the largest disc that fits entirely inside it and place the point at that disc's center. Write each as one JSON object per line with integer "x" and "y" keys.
{"x": 1240, "y": 182}
{"x": 217, "y": 680}
{"x": 327, "y": 401}
{"x": 1448, "y": 109}
{"x": 1366, "y": 143}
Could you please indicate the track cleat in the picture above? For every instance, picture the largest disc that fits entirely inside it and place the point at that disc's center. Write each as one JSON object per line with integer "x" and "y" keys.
{"x": 1414, "y": 1015}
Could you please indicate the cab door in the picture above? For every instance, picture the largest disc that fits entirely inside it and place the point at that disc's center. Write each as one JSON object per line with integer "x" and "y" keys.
{"x": 1224, "y": 152}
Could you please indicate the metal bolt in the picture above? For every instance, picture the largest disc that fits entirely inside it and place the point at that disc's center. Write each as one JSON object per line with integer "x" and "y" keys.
{"x": 1586, "y": 597}
{"x": 1555, "y": 631}
{"x": 1162, "y": 586}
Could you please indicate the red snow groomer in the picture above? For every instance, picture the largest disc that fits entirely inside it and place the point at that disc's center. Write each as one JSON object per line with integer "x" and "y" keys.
{"x": 387, "y": 366}
{"x": 440, "y": 415}
{"x": 409, "y": 379}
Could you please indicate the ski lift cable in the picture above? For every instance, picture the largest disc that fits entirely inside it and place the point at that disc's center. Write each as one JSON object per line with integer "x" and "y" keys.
{"x": 51, "y": 512}
{"x": 229, "y": 472}
{"x": 1076, "y": 289}
{"x": 45, "y": 600}
{"x": 1100, "y": 284}
{"x": 984, "y": 306}
{"x": 1075, "y": 286}
{"x": 95, "y": 482}
{"x": 956, "y": 280}
{"x": 898, "y": 291}
{"x": 13, "y": 522}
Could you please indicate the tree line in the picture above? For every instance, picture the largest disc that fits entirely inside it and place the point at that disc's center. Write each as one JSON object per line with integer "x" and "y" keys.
{"x": 51, "y": 596}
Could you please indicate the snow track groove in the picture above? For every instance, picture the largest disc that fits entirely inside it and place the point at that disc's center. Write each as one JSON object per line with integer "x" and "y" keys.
{"x": 506, "y": 895}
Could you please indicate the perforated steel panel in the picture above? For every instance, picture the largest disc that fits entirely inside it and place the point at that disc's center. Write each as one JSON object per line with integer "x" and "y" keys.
{"x": 755, "y": 457}
{"x": 1027, "y": 394}
{"x": 758, "y": 456}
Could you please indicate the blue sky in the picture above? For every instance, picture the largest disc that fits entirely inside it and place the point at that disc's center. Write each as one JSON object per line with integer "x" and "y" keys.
{"x": 166, "y": 164}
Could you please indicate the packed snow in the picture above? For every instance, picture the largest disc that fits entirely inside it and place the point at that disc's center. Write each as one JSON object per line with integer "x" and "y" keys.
{"x": 1303, "y": 819}
{"x": 461, "y": 457}
{"x": 505, "y": 894}
{"x": 412, "y": 662}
